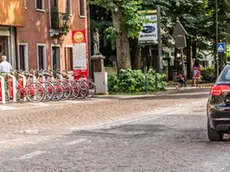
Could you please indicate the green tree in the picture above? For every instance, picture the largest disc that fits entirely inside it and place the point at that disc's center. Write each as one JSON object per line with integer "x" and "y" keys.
{"x": 126, "y": 24}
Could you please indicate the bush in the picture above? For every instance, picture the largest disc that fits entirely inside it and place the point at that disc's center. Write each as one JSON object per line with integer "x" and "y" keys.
{"x": 208, "y": 74}
{"x": 131, "y": 81}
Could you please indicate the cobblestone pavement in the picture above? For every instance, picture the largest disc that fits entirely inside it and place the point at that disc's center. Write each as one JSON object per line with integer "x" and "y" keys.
{"x": 166, "y": 133}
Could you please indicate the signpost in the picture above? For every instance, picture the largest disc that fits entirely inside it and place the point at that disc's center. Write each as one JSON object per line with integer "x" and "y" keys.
{"x": 80, "y": 57}
{"x": 151, "y": 34}
{"x": 179, "y": 35}
{"x": 221, "y": 48}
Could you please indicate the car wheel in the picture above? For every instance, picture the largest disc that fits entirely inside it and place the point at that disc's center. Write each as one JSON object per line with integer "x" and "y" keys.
{"x": 214, "y": 135}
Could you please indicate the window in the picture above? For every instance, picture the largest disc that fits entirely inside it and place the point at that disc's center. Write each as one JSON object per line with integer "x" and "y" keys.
{"x": 41, "y": 56}
{"x": 23, "y": 56}
{"x": 82, "y": 8}
{"x": 69, "y": 58}
{"x": 40, "y": 5}
{"x": 68, "y": 6}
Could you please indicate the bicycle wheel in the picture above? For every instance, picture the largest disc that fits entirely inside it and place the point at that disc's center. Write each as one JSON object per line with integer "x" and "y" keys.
{"x": 83, "y": 89}
{"x": 67, "y": 90}
{"x": 59, "y": 91}
{"x": 91, "y": 88}
{"x": 49, "y": 91}
{"x": 75, "y": 90}
{"x": 35, "y": 92}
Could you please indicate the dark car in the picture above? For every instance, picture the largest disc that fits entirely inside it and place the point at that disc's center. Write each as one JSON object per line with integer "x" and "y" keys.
{"x": 218, "y": 107}
{"x": 148, "y": 29}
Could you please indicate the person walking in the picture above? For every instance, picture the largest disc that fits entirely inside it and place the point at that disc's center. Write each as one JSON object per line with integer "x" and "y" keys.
{"x": 5, "y": 66}
{"x": 181, "y": 80}
{"x": 196, "y": 73}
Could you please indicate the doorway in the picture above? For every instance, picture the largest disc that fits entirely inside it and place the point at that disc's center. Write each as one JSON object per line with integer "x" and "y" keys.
{"x": 23, "y": 56}
{"x": 56, "y": 58}
{"x": 4, "y": 46}
{"x": 68, "y": 58}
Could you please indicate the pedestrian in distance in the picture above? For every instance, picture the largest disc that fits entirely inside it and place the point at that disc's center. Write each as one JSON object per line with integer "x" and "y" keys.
{"x": 5, "y": 67}
{"x": 196, "y": 73}
{"x": 181, "y": 80}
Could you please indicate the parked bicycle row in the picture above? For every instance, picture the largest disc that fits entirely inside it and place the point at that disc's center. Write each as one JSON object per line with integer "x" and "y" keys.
{"x": 42, "y": 85}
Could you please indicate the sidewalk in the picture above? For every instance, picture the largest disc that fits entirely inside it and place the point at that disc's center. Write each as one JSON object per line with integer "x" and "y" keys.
{"x": 169, "y": 90}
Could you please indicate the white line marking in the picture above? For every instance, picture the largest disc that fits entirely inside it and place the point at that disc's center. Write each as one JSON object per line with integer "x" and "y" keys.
{"x": 7, "y": 108}
{"x": 6, "y": 141}
{"x": 73, "y": 102}
{"x": 41, "y": 104}
{"x": 32, "y": 154}
{"x": 75, "y": 142}
{"x": 31, "y": 131}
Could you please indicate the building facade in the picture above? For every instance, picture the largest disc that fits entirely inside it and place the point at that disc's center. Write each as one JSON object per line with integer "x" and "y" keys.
{"x": 37, "y": 34}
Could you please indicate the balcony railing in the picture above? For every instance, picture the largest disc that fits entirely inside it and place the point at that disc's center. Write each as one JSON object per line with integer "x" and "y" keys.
{"x": 60, "y": 22}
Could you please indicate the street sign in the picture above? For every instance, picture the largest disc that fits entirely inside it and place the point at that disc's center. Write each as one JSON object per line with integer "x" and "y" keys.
{"x": 149, "y": 35}
{"x": 221, "y": 47}
{"x": 179, "y": 35}
{"x": 179, "y": 30}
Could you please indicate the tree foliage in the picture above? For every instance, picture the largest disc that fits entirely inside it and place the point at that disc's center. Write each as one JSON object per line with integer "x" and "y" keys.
{"x": 133, "y": 20}
{"x": 197, "y": 16}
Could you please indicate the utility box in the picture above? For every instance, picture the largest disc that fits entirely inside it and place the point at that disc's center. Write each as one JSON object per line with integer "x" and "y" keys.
{"x": 101, "y": 81}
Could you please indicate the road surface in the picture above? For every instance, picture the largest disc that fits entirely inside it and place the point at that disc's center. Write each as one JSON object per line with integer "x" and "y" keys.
{"x": 151, "y": 134}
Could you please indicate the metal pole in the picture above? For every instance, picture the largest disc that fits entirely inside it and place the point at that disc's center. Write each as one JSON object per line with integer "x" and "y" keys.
{"x": 182, "y": 58}
{"x": 160, "y": 60}
{"x": 89, "y": 44}
{"x": 147, "y": 82}
{"x": 217, "y": 58}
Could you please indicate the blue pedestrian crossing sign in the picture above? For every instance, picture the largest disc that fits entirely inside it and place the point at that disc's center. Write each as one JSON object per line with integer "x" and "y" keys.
{"x": 221, "y": 47}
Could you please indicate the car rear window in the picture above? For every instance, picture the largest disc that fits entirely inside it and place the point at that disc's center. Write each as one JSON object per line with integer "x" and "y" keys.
{"x": 225, "y": 74}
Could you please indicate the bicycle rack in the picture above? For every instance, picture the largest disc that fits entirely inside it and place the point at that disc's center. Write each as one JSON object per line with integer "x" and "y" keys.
{"x": 60, "y": 77}
{"x": 14, "y": 90}
{"x": 3, "y": 93}
{"x": 23, "y": 83}
{"x": 43, "y": 77}
{"x": 34, "y": 78}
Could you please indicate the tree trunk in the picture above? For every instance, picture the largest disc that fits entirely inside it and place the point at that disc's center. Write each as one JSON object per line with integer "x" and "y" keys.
{"x": 189, "y": 60}
{"x": 194, "y": 51}
{"x": 135, "y": 55}
{"x": 122, "y": 41}
{"x": 136, "y": 58}
{"x": 148, "y": 58}
{"x": 175, "y": 58}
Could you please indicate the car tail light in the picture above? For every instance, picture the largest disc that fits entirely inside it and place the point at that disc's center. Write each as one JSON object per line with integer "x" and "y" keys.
{"x": 217, "y": 90}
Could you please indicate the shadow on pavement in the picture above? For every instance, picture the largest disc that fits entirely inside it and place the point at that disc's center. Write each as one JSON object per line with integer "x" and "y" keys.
{"x": 124, "y": 131}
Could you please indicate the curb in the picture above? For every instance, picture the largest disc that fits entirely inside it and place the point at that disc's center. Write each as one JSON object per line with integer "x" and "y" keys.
{"x": 169, "y": 90}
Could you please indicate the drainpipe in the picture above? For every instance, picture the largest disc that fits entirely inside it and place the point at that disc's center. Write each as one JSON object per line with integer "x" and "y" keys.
{"x": 89, "y": 42}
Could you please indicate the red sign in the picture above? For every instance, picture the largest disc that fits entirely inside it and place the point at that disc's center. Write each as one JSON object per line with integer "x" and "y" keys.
{"x": 79, "y": 36}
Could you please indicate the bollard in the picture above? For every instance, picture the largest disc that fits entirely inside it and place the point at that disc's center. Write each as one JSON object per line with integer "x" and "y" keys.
{"x": 52, "y": 77}
{"x": 23, "y": 84}
{"x": 43, "y": 78}
{"x": 147, "y": 83}
{"x": 14, "y": 87}
{"x": 3, "y": 90}
{"x": 60, "y": 77}
{"x": 156, "y": 81}
{"x": 34, "y": 78}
